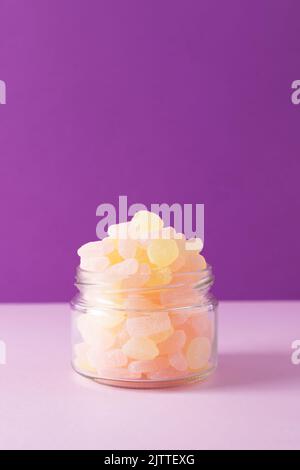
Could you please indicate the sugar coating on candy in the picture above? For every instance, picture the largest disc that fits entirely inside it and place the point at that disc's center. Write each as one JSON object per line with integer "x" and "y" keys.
{"x": 107, "y": 359}
{"x": 140, "y": 348}
{"x": 107, "y": 246}
{"x": 98, "y": 248}
{"x": 115, "y": 358}
{"x": 174, "y": 343}
{"x": 162, "y": 252}
{"x": 151, "y": 324}
{"x": 123, "y": 269}
{"x": 198, "y": 353}
{"x": 93, "y": 333}
{"x": 139, "y": 279}
{"x": 119, "y": 231}
{"x": 127, "y": 248}
{"x": 146, "y": 222}
{"x": 90, "y": 249}
{"x": 194, "y": 244}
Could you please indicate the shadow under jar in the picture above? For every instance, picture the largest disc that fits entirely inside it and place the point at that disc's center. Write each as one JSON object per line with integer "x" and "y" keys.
{"x": 139, "y": 337}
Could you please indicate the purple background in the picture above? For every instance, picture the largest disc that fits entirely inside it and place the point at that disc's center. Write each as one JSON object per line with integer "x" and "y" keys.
{"x": 165, "y": 101}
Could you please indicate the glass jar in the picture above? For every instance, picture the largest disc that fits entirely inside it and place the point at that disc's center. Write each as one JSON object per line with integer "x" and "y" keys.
{"x": 140, "y": 337}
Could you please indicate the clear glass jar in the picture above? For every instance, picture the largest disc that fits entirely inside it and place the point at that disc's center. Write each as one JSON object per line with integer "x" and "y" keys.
{"x": 140, "y": 337}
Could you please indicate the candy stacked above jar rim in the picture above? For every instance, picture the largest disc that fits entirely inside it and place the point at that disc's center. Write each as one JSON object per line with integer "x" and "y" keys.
{"x": 144, "y": 316}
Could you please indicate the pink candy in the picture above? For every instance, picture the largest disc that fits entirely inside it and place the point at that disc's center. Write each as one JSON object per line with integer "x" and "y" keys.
{"x": 148, "y": 325}
{"x": 173, "y": 344}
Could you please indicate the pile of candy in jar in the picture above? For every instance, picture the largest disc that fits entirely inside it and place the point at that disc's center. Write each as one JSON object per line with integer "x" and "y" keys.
{"x": 144, "y": 327}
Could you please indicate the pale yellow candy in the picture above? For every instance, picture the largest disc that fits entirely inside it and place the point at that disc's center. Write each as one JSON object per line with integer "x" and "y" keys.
{"x": 178, "y": 264}
{"x": 159, "y": 277}
{"x": 122, "y": 270}
{"x": 168, "y": 233}
{"x": 173, "y": 344}
{"x": 141, "y": 349}
{"x": 194, "y": 244}
{"x": 198, "y": 353}
{"x": 165, "y": 233}
{"x": 98, "y": 358}
{"x": 95, "y": 264}
{"x": 145, "y": 238}
{"x": 141, "y": 254}
{"x": 181, "y": 241}
{"x": 119, "y": 231}
{"x": 107, "y": 245}
{"x": 144, "y": 367}
{"x": 145, "y": 222}
{"x": 180, "y": 237}
{"x": 82, "y": 364}
{"x": 162, "y": 336}
{"x": 115, "y": 257}
{"x": 162, "y": 253}
{"x": 93, "y": 333}
{"x": 178, "y": 361}
{"x": 81, "y": 361}
{"x": 149, "y": 325}
{"x": 139, "y": 279}
{"x": 98, "y": 248}
{"x": 107, "y": 359}
{"x": 194, "y": 262}
{"x": 127, "y": 248}
{"x": 90, "y": 249}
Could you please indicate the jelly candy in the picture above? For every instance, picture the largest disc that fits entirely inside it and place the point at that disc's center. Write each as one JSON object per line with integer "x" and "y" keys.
{"x": 162, "y": 252}
{"x": 174, "y": 343}
{"x": 140, "y": 348}
{"x": 198, "y": 353}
